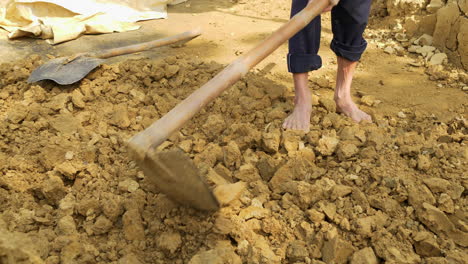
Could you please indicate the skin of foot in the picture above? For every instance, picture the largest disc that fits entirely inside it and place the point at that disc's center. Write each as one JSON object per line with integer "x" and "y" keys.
{"x": 299, "y": 119}
{"x": 344, "y": 101}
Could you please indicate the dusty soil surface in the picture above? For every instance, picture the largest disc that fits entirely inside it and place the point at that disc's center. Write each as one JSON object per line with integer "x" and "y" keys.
{"x": 392, "y": 191}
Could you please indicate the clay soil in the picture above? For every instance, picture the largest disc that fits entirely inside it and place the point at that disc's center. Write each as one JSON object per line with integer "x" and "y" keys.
{"x": 393, "y": 191}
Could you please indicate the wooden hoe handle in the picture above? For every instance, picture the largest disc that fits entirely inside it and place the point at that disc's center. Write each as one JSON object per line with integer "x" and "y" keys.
{"x": 160, "y": 130}
{"x": 104, "y": 54}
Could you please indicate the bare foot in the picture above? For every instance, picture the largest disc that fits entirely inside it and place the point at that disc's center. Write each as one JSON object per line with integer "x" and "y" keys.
{"x": 343, "y": 100}
{"x": 300, "y": 117}
{"x": 350, "y": 109}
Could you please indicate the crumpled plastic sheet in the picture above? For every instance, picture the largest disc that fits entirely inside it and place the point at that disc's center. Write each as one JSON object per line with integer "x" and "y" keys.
{"x": 63, "y": 20}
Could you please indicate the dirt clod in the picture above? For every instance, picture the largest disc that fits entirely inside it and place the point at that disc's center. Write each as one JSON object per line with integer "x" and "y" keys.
{"x": 169, "y": 242}
{"x": 392, "y": 191}
{"x": 364, "y": 256}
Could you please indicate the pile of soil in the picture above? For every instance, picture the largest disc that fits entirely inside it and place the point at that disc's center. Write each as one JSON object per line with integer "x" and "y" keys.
{"x": 390, "y": 191}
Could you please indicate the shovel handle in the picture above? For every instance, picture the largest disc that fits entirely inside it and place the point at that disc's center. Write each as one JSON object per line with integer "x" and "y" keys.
{"x": 104, "y": 54}
{"x": 160, "y": 130}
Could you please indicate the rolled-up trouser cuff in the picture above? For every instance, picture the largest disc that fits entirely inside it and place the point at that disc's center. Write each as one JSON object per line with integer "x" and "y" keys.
{"x": 351, "y": 53}
{"x": 300, "y": 63}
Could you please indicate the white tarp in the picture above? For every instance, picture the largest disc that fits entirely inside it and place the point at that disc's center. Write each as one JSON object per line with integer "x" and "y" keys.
{"x": 63, "y": 20}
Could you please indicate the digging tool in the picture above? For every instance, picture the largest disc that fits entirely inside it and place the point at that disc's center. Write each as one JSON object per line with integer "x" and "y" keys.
{"x": 68, "y": 70}
{"x": 171, "y": 171}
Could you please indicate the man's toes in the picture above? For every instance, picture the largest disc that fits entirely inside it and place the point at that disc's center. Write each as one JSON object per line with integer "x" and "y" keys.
{"x": 302, "y": 125}
{"x": 294, "y": 124}
{"x": 289, "y": 123}
{"x": 363, "y": 116}
{"x": 297, "y": 125}
{"x": 286, "y": 123}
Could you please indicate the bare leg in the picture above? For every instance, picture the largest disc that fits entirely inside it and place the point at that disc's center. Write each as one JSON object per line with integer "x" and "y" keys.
{"x": 300, "y": 117}
{"x": 343, "y": 99}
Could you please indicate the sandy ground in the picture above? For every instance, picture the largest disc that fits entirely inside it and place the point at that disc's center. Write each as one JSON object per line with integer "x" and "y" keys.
{"x": 233, "y": 28}
{"x": 392, "y": 191}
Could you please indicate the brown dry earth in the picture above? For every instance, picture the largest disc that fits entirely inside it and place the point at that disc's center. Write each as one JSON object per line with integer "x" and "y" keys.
{"x": 388, "y": 192}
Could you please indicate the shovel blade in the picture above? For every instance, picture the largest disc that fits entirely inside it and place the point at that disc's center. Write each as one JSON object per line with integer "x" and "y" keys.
{"x": 175, "y": 175}
{"x": 64, "y": 73}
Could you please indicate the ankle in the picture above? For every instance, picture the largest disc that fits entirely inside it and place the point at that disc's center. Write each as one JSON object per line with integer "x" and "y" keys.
{"x": 303, "y": 96}
{"x": 342, "y": 98}
{"x": 302, "y": 102}
{"x": 344, "y": 102}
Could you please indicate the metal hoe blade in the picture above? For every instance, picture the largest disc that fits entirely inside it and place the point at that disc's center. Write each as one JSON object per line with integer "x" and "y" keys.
{"x": 65, "y": 73}
{"x": 175, "y": 175}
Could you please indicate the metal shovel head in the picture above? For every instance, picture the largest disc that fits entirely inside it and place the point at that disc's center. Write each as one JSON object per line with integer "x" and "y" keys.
{"x": 175, "y": 175}
{"x": 64, "y": 73}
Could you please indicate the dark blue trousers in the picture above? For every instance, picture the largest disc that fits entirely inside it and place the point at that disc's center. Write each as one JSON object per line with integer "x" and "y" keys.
{"x": 349, "y": 19}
